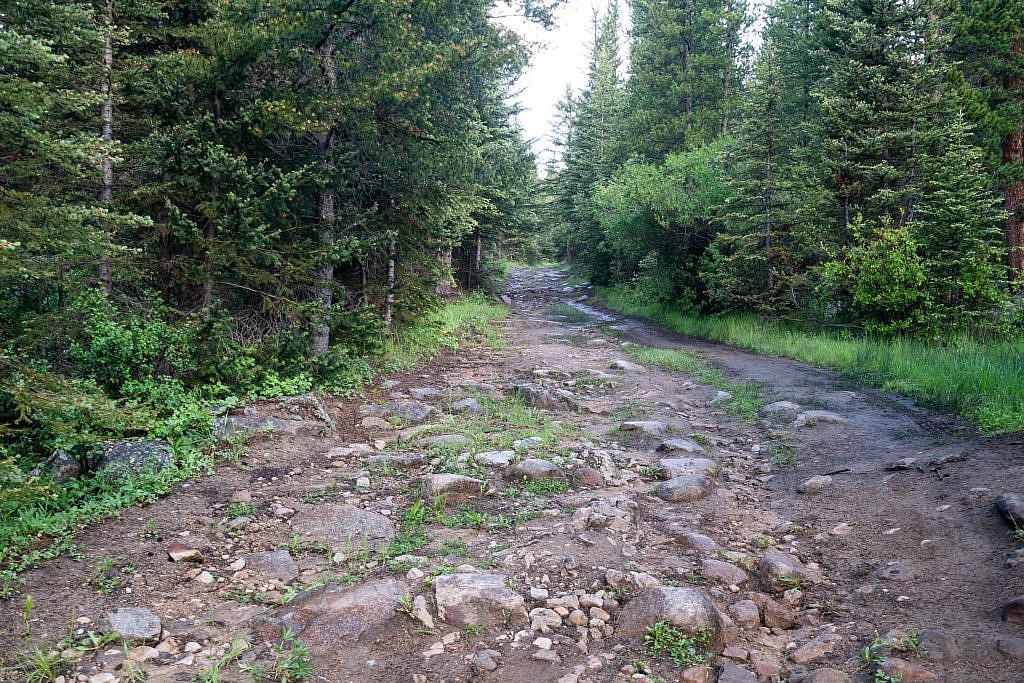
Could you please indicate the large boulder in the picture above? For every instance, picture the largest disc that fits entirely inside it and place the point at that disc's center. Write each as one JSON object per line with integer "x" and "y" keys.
{"x": 689, "y": 609}
{"x": 344, "y": 527}
{"x": 412, "y": 412}
{"x": 476, "y": 598}
{"x": 135, "y": 456}
{"x": 237, "y": 426}
{"x": 454, "y": 488}
{"x": 329, "y": 614}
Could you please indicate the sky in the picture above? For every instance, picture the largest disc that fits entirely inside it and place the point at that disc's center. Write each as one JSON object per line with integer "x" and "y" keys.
{"x": 560, "y": 58}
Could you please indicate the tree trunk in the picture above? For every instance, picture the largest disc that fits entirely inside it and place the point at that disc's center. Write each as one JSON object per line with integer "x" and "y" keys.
{"x": 389, "y": 299}
{"x": 210, "y": 229}
{"x": 324, "y": 275}
{"x": 444, "y": 287}
{"x": 1013, "y": 155}
{"x": 107, "y": 133}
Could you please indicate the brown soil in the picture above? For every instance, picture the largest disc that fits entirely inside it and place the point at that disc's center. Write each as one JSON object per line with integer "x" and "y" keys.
{"x": 935, "y": 519}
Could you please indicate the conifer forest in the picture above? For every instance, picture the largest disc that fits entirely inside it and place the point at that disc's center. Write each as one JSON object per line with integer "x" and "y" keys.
{"x": 271, "y": 269}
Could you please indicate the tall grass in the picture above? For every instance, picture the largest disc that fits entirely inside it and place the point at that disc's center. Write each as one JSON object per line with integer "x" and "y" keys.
{"x": 445, "y": 328}
{"x": 982, "y": 381}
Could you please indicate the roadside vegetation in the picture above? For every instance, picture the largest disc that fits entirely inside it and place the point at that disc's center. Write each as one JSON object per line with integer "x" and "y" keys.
{"x": 980, "y": 380}
{"x": 38, "y": 513}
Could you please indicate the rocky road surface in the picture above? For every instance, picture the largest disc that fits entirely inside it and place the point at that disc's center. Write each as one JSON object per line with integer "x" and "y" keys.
{"x": 554, "y": 510}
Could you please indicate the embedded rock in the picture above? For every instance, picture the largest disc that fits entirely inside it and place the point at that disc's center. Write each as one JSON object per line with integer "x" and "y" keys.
{"x": 1011, "y": 507}
{"x": 689, "y": 609}
{"x": 685, "y": 489}
{"x": 135, "y": 624}
{"x": 723, "y": 572}
{"x": 777, "y": 572}
{"x": 532, "y": 469}
{"x": 678, "y": 467}
{"x": 132, "y": 456}
{"x": 477, "y": 598}
{"x": 448, "y": 441}
{"x": 816, "y": 483}
{"x": 454, "y": 487}
{"x": 323, "y": 616}
{"x": 344, "y": 527}
{"x": 813, "y": 417}
{"x": 275, "y": 564}
{"x": 680, "y": 445}
{"x": 649, "y": 427}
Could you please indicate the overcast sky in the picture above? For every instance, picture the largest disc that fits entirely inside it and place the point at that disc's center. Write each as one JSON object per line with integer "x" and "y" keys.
{"x": 560, "y": 58}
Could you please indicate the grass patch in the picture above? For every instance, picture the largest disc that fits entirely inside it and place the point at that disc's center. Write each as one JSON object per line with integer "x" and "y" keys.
{"x": 980, "y": 380}
{"x": 569, "y": 313}
{"x": 682, "y": 649}
{"x": 746, "y": 396}
{"x": 445, "y": 328}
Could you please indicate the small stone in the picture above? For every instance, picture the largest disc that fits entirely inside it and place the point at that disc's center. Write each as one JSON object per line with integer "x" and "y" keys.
{"x": 578, "y": 618}
{"x": 815, "y": 484}
{"x": 938, "y": 646}
{"x": 627, "y": 366}
{"x": 780, "y": 407}
{"x": 496, "y": 458}
{"x": 680, "y": 445}
{"x": 690, "y": 609}
{"x": 734, "y": 652}
{"x": 135, "y": 624}
{"x": 483, "y": 661}
{"x": 103, "y": 678}
{"x": 648, "y": 427}
{"x": 421, "y": 612}
{"x": 179, "y": 552}
{"x": 588, "y": 476}
{"x": 454, "y": 487}
{"x": 539, "y": 593}
{"x": 894, "y": 571}
{"x": 543, "y": 643}
{"x": 477, "y": 598}
{"x": 205, "y": 578}
{"x": 765, "y": 667}
{"x": 543, "y": 619}
{"x": 778, "y": 616}
{"x": 905, "y": 671}
{"x": 678, "y": 467}
{"x": 901, "y": 464}
{"x": 841, "y": 529}
{"x": 549, "y": 656}
{"x": 691, "y": 539}
{"x": 276, "y": 564}
{"x": 467, "y": 405}
{"x": 778, "y": 572}
{"x": 1011, "y": 507}
{"x": 598, "y": 613}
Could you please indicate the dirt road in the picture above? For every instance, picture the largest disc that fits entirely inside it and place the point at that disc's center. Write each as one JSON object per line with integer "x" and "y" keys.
{"x": 572, "y": 498}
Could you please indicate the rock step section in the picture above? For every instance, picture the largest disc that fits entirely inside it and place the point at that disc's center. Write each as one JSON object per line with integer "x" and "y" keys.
{"x": 469, "y": 598}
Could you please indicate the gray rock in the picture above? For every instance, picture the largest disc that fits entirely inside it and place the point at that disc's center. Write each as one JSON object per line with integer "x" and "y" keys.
{"x": 691, "y": 539}
{"x": 690, "y": 609}
{"x": 477, "y": 598}
{"x": 649, "y": 427}
{"x": 816, "y": 483}
{"x": 448, "y": 441}
{"x": 344, "y": 527}
{"x": 496, "y": 458}
{"x": 1011, "y": 648}
{"x": 680, "y": 445}
{"x": 780, "y": 407}
{"x": 454, "y": 487}
{"x": 627, "y": 366}
{"x": 479, "y": 387}
{"x": 818, "y": 648}
{"x": 812, "y": 417}
{"x": 777, "y": 572}
{"x": 231, "y": 426}
{"x": 731, "y": 673}
{"x": 721, "y": 397}
{"x": 467, "y": 405}
{"x": 534, "y": 396}
{"x": 484, "y": 660}
{"x": 549, "y": 656}
{"x": 1015, "y": 559}
{"x": 894, "y": 571}
{"x": 63, "y": 466}
{"x": 135, "y": 624}
{"x": 424, "y": 393}
{"x": 395, "y": 460}
{"x": 723, "y": 572}
{"x": 533, "y": 469}
{"x": 938, "y": 646}
{"x": 135, "y": 456}
{"x": 1011, "y": 507}
{"x": 275, "y": 564}
{"x": 323, "y": 616}
{"x": 685, "y": 489}
{"x": 679, "y": 467}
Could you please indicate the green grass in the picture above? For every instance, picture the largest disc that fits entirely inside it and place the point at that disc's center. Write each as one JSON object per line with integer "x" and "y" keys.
{"x": 746, "y": 396}
{"x": 445, "y": 328}
{"x": 982, "y": 381}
